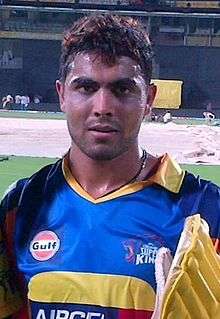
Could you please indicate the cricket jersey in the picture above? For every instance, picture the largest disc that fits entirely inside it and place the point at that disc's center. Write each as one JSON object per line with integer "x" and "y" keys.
{"x": 75, "y": 257}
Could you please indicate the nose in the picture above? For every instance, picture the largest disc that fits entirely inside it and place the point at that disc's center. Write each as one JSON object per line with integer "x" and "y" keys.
{"x": 104, "y": 103}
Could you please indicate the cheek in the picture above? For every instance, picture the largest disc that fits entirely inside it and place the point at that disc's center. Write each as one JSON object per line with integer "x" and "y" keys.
{"x": 75, "y": 116}
{"x": 72, "y": 101}
{"x": 132, "y": 120}
{"x": 75, "y": 106}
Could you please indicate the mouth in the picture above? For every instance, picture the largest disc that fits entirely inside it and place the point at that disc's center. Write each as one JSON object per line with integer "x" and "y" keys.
{"x": 103, "y": 129}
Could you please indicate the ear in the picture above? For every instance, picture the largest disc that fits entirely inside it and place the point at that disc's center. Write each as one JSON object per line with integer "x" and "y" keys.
{"x": 151, "y": 93}
{"x": 60, "y": 92}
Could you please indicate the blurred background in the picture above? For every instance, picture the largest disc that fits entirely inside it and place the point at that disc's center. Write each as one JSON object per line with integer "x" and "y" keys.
{"x": 185, "y": 36}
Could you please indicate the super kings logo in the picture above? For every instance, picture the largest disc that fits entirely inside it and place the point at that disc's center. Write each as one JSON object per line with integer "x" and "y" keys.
{"x": 142, "y": 251}
{"x": 44, "y": 245}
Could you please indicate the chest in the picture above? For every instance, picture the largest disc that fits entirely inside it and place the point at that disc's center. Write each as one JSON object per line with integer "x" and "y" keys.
{"x": 120, "y": 236}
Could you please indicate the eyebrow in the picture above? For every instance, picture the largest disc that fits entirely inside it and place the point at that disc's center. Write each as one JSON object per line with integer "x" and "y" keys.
{"x": 83, "y": 80}
{"x": 121, "y": 81}
{"x": 124, "y": 81}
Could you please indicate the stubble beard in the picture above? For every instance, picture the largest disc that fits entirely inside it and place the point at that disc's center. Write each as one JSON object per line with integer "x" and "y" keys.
{"x": 102, "y": 151}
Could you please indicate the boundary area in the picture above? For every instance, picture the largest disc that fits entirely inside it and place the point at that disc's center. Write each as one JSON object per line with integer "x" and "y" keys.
{"x": 46, "y": 137}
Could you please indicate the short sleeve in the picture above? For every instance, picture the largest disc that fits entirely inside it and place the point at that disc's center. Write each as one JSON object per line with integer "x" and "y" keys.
{"x": 10, "y": 300}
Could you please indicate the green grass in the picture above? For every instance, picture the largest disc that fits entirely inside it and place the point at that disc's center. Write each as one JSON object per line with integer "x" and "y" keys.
{"x": 210, "y": 172}
{"x": 19, "y": 166}
{"x": 32, "y": 115}
{"x": 189, "y": 121}
{"x": 61, "y": 116}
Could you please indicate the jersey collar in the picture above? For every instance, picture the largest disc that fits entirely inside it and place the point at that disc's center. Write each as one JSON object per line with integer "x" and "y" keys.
{"x": 169, "y": 175}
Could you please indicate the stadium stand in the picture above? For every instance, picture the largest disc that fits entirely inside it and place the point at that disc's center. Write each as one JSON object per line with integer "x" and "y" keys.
{"x": 35, "y": 1}
{"x": 192, "y": 38}
{"x": 32, "y": 26}
{"x": 100, "y": 2}
{"x": 141, "y": 5}
{"x": 198, "y": 4}
{"x": 104, "y": 2}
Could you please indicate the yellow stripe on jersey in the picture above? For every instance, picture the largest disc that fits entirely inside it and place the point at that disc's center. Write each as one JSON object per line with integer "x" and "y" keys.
{"x": 169, "y": 175}
{"x": 125, "y": 190}
{"x": 93, "y": 289}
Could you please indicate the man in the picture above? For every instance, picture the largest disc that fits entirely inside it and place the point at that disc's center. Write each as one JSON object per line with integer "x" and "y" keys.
{"x": 7, "y": 101}
{"x": 167, "y": 117}
{"x": 82, "y": 235}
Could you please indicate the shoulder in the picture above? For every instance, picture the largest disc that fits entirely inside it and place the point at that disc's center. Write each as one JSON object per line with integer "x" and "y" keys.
{"x": 34, "y": 183}
{"x": 201, "y": 196}
{"x": 199, "y": 188}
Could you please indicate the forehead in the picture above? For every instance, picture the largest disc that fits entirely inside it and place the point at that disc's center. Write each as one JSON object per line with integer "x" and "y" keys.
{"x": 92, "y": 66}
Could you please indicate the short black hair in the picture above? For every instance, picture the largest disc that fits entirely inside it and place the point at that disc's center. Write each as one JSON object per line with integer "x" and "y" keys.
{"x": 110, "y": 36}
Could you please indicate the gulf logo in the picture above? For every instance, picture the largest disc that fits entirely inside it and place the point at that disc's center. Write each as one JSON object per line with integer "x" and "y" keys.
{"x": 44, "y": 245}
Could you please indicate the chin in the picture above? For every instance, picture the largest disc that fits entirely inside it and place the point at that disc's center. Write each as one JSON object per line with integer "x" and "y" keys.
{"x": 102, "y": 151}
{"x": 103, "y": 154}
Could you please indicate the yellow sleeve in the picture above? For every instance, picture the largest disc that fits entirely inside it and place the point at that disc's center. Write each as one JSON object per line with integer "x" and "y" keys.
{"x": 10, "y": 300}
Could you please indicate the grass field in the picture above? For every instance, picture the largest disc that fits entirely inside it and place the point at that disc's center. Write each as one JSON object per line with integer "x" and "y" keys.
{"x": 61, "y": 116}
{"x": 32, "y": 115}
{"x": 18, "y": 167}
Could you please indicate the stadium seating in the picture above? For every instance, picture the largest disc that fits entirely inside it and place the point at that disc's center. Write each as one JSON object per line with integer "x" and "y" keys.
{"x": 198, "y": 40}
{"x": 101, "y": 2}
{"x": 198, "y": 4}
{"x": 30, "y": 26}
{"x": 104, "y": 2}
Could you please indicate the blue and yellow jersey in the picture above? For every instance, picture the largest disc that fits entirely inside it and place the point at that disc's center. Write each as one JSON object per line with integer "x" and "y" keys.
{"x": 82, "y": 258}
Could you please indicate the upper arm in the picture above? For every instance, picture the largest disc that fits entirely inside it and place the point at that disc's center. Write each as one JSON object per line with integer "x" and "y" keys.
{"x": 210, "y": 211}
{"x": 10, "y": 300}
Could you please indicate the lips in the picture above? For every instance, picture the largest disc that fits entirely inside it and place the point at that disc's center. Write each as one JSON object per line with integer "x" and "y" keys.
{"x": 103, "y": 128}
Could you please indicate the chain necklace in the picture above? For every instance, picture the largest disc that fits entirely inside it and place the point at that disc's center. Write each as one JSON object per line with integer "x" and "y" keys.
{"x": 144, "y": 158}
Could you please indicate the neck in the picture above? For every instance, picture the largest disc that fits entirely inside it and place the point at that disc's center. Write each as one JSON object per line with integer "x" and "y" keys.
{"x": 98, "y": 178}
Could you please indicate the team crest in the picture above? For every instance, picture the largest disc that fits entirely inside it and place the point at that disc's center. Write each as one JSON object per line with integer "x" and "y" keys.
{"x": 142, "y": 251}
{"x": 44, "y": 245}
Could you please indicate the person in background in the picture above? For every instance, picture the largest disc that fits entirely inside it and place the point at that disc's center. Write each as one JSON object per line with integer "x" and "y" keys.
{"x": 209, "y": 114}
{"x": 167, "y": 117}
{"x": 7, "y": 101}
{"x": 37, "y": 99}
{"x": 17, "y": 99}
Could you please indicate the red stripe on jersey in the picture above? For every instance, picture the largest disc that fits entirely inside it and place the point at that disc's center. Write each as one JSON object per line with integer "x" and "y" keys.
{"x": 22, "y": 314}
{"x": 216, "y": 243}
{"x": 134, "y": 314}
{"x": 9, "y": 234}
{"x": 9, "y": 231}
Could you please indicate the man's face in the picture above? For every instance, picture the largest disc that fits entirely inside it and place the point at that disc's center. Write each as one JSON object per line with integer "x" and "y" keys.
{"x": 104, "y": 105}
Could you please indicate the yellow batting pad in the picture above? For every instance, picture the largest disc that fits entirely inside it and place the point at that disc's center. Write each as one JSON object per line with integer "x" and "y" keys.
{"x": 192, "y": 289}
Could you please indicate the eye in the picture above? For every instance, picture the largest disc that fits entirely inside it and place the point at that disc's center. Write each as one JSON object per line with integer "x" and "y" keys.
{"x": 86, "y": 89}
{"x": 122, "y": 90}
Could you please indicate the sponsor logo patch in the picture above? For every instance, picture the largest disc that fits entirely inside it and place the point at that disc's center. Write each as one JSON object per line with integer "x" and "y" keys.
{"x": 65, "y": 314}
{"x": 44, "y": 245}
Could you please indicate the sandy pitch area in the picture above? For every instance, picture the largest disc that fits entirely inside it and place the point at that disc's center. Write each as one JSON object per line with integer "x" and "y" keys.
{"x": 49, "y": 138}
